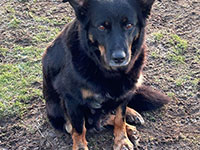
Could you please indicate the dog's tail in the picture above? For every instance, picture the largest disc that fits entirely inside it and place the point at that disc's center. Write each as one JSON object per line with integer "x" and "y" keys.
{"x": 146, "y": 98}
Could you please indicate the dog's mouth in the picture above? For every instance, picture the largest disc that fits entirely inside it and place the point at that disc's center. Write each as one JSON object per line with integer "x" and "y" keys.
{"x": 115, "y": 65}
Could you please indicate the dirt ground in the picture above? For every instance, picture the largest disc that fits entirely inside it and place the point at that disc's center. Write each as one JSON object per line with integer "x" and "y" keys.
{"x": 174, "y": 127}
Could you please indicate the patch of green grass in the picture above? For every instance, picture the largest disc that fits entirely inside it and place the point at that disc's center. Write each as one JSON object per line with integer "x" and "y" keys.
{"x": 14, "y": 23}
{"x": 10, "y": 9}
{"x": 195, "y": 81}
{"x": 179, "y": 81}
{"x": 20, "y": 66}
{"x": 17, "y": 79}
{"x": 45, "y": 37}
{"x": 158, "y": 36}
{"x": 170, "y": 94}
{"x": 179, "y": 47}
{"x": 17, "y": 89}
{"x": 176, "y": 58}
{"x": 155, "y": 54}
{"x": 19, "y": 53}
{"x": 3, "y": 51}
{"x": 53, "y": 22}
{"x": 174, "y": 43}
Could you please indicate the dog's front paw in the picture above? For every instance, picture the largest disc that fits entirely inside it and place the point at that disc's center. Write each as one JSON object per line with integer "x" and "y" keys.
{"x": 123, "y": 143}
{"x": 79, "y": 140}
{"x": 83, "y": 148}
{"x": 80, "y": 147}
{"x": 133, "y": 117}
{"x": 133, "y": 134}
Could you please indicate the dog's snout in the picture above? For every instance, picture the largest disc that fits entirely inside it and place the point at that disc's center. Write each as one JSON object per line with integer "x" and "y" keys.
{"x": 118, "y": 57}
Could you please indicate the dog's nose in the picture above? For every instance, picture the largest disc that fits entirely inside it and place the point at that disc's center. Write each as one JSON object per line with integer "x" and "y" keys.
{"x": 118, "y": 57}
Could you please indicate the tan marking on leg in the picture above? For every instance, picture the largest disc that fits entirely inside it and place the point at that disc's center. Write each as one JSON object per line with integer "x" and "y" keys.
{"x": 131, "y": 130}
{"x": 121, "y": 138}
{"x": 86, "y": 93}
{"x": 79, "y": 140}
{"x": 131, "y": 114}
{"x": 111, "y": 120}
{"x": 119, "y": 118}
{"x": 119, "y": 124}
{"x": 134, "y": 116}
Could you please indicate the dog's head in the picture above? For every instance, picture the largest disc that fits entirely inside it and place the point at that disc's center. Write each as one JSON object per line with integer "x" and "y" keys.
{"x": 114, "y": 28}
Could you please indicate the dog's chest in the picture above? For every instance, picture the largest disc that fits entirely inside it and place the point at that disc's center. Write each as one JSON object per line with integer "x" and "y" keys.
{"x": 97, "y": 106}
{"x": 92, "y": 99}
{"x": 103, "y": 101}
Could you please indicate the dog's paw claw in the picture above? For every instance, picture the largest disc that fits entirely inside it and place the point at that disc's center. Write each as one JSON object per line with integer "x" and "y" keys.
{"x": 135, "y": 119}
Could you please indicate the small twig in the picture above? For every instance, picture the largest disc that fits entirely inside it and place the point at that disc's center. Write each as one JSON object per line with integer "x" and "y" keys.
{"x": 40, "y": 132}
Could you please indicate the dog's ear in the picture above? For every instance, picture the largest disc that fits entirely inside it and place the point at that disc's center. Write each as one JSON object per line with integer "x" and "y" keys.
{"x": 80, "y": 7}
{"x": 146, "y": 6}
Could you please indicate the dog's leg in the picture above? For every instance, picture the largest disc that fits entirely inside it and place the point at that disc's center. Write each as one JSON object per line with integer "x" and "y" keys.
{"x": 79, "y": 140}
{"x": 121, "y": 141}
{"x": 131, "y": 130}
{"x": 75, "y": 123}
{"x": 53, "y": 106}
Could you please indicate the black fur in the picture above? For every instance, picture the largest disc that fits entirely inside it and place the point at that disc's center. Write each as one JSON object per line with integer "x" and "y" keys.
{"x": 74, "y": 62}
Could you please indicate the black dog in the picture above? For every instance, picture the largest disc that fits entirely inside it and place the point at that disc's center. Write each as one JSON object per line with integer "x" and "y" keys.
{"x": 94, "y": 67}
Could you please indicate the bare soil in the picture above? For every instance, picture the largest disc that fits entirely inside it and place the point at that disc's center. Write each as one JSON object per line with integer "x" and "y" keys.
{"x": 176, "y": 126}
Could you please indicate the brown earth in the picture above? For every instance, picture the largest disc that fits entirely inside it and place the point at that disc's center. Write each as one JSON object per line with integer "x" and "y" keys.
{"x": 176, "y": 126}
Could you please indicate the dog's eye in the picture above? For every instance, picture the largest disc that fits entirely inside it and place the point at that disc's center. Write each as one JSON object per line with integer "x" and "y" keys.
{"x": 101, "y": 28}
{"x": 129, "y": 26}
